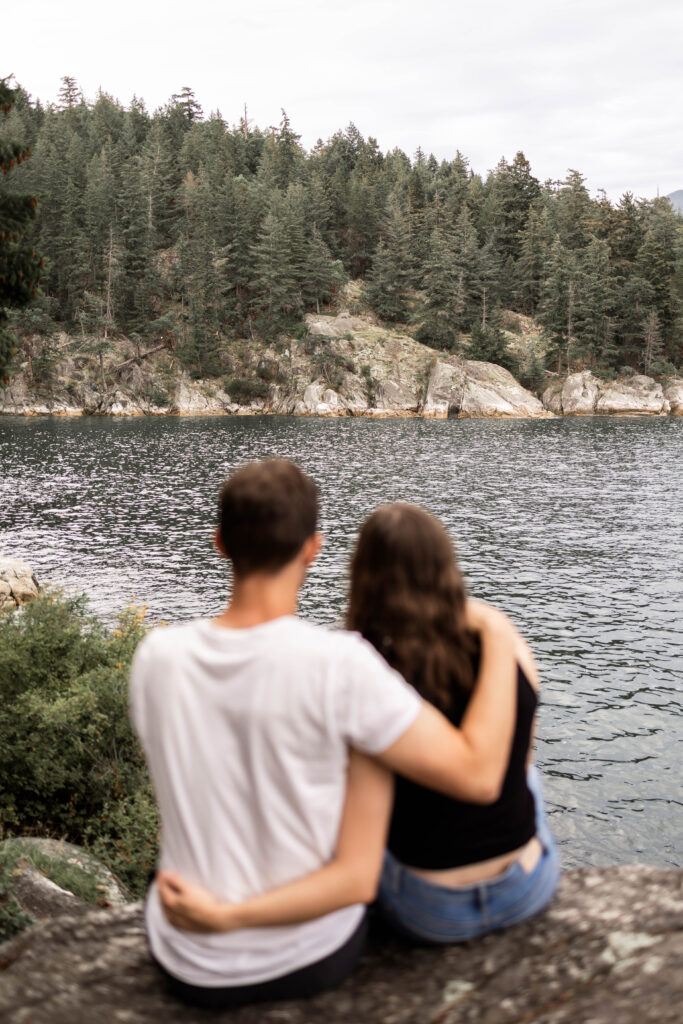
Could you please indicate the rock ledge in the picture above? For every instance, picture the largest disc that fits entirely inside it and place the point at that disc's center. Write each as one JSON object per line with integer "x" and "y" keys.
{"x": 609, "y": 948}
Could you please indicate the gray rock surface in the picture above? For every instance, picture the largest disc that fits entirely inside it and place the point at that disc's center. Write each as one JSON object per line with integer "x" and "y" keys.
{"x": 38, "y": 895}
{"x": 42, "y": 898}
{"x": 634, "y": 396}
{"x": 609, "y": 950}
{"x": 395, "y": 396}
{"x": 467, "y": 388}
{"x": 673, "y": 392}
{"x": 18, "y": 583}
{"x": 580, "y": 394}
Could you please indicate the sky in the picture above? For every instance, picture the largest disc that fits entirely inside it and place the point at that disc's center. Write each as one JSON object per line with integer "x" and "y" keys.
{"x": 593, "y": 85}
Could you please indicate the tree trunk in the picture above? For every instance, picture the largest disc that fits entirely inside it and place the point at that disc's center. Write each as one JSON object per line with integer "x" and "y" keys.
{"x": 108, "y": 312}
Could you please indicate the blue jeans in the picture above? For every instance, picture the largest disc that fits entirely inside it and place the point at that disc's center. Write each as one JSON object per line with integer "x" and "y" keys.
{"x": 436, "y": 913}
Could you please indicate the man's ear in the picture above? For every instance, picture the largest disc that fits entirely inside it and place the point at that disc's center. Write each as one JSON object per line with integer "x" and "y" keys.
{"x": 218, "y": 543}
{"x": 311, "y": 549}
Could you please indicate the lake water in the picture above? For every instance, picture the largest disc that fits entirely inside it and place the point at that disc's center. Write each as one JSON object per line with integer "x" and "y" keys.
{"x": 574, "y": 527}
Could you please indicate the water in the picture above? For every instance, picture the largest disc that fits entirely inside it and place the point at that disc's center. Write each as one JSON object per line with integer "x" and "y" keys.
{"x": 572, "y": 526}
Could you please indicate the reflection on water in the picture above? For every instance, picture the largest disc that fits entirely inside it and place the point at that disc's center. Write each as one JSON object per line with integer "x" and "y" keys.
{"x": 572, "y": 526}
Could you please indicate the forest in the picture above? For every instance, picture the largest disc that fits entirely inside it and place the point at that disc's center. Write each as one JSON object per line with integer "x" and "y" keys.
{"x": 177, "y": 229}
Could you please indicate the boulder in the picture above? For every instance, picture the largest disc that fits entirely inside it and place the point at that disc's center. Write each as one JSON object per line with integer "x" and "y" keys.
{"x": 42, "y": 898}
{"x": 469, "y": 388}
{"x": 18, "y": 583}
{"x": 609, "y": 948}
{"x": 637, "y": 395}
{"x": 34, "y": 890}
{"x": 580, "y": 394}
{"x": 491, "y": 390}
{"x": 320, "y": 400}
{"x": 673, "y": 392}
{"x": 445, "y": 389}
{"x": 323, "y": 327}
{"x": 552, "y": 398}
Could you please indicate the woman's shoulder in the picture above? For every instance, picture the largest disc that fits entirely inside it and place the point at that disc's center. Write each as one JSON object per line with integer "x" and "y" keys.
{"x": 525, "y": 660}
{"x": 479, "y": 612}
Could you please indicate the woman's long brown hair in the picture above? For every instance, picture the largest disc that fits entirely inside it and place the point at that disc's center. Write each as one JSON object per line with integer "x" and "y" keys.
{"x": 407, "y": 598}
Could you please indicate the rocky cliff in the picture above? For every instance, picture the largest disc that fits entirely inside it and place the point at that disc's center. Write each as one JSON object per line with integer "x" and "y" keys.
{"x": 345, "y": 366}
{"x": 608, "y": 949}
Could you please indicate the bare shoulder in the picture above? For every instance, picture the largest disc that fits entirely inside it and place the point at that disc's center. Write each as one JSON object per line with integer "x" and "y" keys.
{"x": 525, "y": 657}
{"x": 479, "y": 613}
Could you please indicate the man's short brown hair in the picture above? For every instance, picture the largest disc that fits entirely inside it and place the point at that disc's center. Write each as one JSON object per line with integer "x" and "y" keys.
{"x": 267, "y": 510}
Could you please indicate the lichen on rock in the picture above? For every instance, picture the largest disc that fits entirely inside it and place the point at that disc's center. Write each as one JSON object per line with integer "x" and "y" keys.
{"x": 608, "y": 949}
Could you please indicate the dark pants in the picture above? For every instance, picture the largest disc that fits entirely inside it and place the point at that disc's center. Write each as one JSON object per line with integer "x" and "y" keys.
{"x": 301, "y": 984}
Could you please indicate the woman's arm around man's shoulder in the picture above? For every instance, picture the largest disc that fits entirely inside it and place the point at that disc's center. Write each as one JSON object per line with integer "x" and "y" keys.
{"x": 470, "y": 762}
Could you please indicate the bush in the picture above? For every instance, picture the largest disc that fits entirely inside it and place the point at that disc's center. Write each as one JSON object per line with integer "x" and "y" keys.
{"x": 370, "y": 384}
{"x": 12, "y": 917}
{"x": 243, "y": 389}
{"x": 70, "y": 764}
{"x": 662, "y": 369}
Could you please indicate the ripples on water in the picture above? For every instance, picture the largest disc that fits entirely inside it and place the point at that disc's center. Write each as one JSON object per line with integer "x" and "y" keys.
{"x": 572, "y": 526}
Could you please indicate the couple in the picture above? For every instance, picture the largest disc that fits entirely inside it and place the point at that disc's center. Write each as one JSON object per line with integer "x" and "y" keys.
{"x": 273, "y": 744}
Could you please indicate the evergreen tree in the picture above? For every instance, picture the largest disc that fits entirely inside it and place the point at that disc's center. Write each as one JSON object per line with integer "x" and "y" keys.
{"x": 279, "y": 304}
{"x": 489, "y": 344}
{"x": 574, "y": 212}
{"x": 20, "y": 265}
{"x": 530, "y": 270}
{"x": 593, "y": 322}
{"x": 653, "y": 349}
{"x": 390, "y": 278}
{"x": 557, "y": 310}
{"x": 441, "y": 313}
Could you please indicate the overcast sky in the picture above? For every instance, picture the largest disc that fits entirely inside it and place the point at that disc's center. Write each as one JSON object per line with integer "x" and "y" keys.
{"x": 589, "y": 84}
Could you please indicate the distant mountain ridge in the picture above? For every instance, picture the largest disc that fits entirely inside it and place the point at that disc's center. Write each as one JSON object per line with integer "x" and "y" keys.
{"x": 677, "y": 199}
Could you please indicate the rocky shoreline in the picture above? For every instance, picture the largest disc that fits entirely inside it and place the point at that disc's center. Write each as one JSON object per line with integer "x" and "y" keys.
{"x": 347, "y": 366}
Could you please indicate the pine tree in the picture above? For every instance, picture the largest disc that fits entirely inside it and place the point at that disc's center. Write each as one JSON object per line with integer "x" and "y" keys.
{"x": 657, "y": 262}
{"x": 530, "y": 271}
{"x": 653, "y": 349}
{"x": 441, "y": 313}
{"x": 574, "y": 212}
{"x": 20, "y": 265}
{"x": 391, "y": 276}
{"x": 593, "y": 323}
{"x": 489, "y": 344}
{"x": 557, "y": 310}
{"x": 278, "y": 304}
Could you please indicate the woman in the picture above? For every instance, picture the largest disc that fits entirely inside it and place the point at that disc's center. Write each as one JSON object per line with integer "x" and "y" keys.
{"x": 452, "y": 870}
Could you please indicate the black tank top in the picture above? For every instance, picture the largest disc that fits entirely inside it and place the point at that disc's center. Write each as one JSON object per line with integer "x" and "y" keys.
{"x": 435, "y": 832}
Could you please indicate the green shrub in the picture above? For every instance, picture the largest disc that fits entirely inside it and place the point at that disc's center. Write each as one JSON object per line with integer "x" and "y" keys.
{"x": 68, "y": 876}
{"x": 661, "y": 368}
{"x": 70, "y": 765}
{"x": 243, "y": 389}
{"x": 12, "y": 917}
{"x": 370, "y": 384}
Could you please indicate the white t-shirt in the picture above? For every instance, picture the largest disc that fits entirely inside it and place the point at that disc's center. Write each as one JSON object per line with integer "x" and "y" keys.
{"x": 245, "y": 733}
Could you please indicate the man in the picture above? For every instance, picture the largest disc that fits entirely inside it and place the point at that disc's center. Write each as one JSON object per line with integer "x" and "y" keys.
{"x": 246, "y": 721}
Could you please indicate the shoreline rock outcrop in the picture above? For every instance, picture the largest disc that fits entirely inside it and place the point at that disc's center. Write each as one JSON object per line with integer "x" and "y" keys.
{"x": 18, "y": 583}
{"x": 609, "y": 948}
{"x": 582, "y": 394}
{"x": 346, "y": 366}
